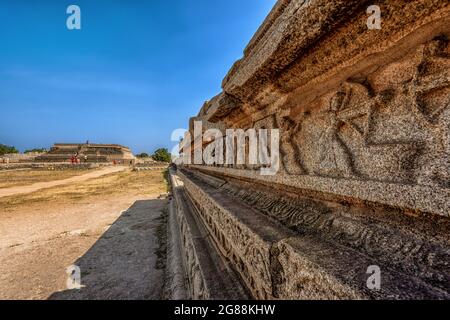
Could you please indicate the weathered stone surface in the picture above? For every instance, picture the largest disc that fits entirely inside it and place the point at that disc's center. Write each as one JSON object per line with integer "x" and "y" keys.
{"x": 318, "y": 250}
{"x": 364, "y": 121}
{"x": 208, "y": 276}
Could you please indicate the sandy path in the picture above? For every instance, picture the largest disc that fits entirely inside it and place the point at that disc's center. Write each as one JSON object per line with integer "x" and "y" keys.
{"x": 116, "y": 242}
{"x": 43, "y": 185}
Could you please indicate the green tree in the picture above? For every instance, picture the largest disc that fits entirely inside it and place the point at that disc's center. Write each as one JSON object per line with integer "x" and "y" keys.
{"x": 39, "y": 150}
{"x": 162, "y": 155}
{"x": 4, "y": 149}
{"x": 142, "y": 155}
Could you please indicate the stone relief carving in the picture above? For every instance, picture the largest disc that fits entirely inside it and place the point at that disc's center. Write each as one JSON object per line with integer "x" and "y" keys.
{"x": 311, "y": 216}
{"x": 290, "y": 155}
{"x": 339, "y": 141}
{"x": 379, "y": 135}
{"x": 431, "y": 56}
{"x": 335, "y": 159}
{"x": 365, "y": 163}
{"x": 399, "y": 134}
{"x": 429, "y": 93}
{"x": 278, "y": 270}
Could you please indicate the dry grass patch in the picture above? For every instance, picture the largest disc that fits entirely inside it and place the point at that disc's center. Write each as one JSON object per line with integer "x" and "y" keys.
{"x": 18, "y": 178}
{"x": 145, "y": 183}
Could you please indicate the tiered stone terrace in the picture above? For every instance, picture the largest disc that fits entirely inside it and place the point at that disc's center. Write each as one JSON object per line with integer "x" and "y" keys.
{"x": 94, "y": 153}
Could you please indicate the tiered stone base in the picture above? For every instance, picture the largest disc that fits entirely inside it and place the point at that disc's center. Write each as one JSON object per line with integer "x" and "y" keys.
{"x": 207, "y": 275}
{"x": 239, "y": 238}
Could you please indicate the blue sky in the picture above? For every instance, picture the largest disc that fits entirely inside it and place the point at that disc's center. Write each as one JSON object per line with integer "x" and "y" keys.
{"x": 137, "y": 69}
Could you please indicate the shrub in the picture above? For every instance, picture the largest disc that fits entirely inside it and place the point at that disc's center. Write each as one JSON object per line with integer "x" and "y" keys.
{"x": 162, "y": 155}
{"x": 38, "y": 150}
{"x": 142, "y": 155}
{"x": 4, "y": 149}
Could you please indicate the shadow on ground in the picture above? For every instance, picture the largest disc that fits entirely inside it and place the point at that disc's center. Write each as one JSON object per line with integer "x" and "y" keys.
{"x": 128, "y": 261}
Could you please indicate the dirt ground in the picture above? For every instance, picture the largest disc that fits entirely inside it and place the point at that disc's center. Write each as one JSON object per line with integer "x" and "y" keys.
{"x": 112, "y": 227}
{"x": 43, "y": 180}
{"x": 23, "y": 177}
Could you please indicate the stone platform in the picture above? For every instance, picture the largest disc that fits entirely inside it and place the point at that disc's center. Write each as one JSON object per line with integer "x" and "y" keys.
{"x": 364, "y": 178}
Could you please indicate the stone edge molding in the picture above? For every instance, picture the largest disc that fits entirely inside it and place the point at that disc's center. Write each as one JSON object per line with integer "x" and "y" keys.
{"x": 275, "y": 261}
{"x": 201, "y": 273}
{"x": 421, "y": 198}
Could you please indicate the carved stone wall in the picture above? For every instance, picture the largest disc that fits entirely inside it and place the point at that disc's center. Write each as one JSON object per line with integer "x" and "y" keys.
{"x": 364, "y": 122}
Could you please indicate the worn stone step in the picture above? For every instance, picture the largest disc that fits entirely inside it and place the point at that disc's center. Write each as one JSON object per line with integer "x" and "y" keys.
{"x": 275, "y": 261}
{"x": 208, "y": 274}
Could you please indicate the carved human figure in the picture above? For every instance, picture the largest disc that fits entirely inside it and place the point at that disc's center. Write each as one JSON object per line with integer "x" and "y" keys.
{"x": 290, "y": 154}
{"x": 432, "y": 57}
{"x": 334, "y": 158}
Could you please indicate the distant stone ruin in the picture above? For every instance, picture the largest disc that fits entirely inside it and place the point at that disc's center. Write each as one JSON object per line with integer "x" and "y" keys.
{"x": 360, "y": 208}
{"x": 88, "y": 153}
{"x": 19, "y": 157}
